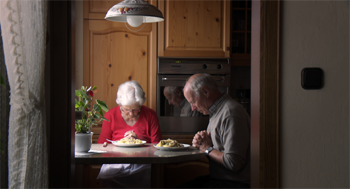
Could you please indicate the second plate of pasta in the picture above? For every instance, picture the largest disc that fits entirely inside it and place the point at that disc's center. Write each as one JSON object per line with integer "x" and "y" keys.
{"x": 185, "y": 146}
{"x": 170, "y": 144}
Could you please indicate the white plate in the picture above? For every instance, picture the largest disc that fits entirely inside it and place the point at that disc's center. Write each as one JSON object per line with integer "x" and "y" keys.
{"x": 127, "y": 145}
{"x": 172, "y": 148}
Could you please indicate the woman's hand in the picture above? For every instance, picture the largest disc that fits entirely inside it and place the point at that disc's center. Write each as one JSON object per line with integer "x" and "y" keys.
{"x": 130, "y": 134}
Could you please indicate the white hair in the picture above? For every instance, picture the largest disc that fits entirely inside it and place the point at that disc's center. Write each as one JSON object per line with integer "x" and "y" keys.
{"x": 171, "y": 89}
{"x": 130, "y": 93}
{"x": 202, "y": 79}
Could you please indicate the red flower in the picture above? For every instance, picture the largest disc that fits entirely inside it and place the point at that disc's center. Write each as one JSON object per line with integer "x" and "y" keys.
{"x": 90, "y": 93}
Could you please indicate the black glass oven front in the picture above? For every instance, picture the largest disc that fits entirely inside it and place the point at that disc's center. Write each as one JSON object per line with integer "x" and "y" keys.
{"x": 173, "y": 110}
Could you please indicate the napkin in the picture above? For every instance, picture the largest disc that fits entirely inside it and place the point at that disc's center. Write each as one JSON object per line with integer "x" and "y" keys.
{"x": 90, "y": 152}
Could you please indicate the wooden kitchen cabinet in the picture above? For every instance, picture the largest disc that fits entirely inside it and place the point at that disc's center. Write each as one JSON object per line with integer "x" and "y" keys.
{"x": 179, "y": 173}
{"x": 113, "y": 54}
{"x": 241, "y": 32}
{"x": 194, "y": 28}
{"x": 85, "y": 176}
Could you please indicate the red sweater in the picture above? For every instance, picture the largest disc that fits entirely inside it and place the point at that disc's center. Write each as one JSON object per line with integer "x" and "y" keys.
{"x": 146, "y": 128}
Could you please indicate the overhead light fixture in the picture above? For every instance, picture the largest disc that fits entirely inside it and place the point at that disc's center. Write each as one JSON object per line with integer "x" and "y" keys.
{"x": 134, "y": 12}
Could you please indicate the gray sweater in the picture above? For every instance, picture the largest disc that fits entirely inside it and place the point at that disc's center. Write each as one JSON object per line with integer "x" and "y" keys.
{"x": 229, "y": 127}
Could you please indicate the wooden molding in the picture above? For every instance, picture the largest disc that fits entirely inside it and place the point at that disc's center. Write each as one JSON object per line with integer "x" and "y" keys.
{"x": 268, "y": 102}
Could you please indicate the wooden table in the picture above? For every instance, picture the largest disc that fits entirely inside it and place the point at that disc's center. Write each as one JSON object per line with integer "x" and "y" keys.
{"x": 145, "y": 154}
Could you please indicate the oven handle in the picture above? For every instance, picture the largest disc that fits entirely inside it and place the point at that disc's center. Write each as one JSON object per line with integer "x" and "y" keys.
{"x": 184, "y": 79}
{"x": 173, "y": 79}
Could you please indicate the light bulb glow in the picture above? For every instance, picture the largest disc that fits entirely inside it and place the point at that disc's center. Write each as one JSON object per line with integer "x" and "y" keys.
{"x": 134, "y": 21}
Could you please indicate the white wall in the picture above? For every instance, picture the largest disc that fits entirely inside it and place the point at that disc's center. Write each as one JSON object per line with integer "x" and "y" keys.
{"x": 315, "y": 123}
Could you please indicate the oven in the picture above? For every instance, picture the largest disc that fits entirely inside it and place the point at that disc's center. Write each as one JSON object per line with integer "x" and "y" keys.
{"x": 173, "y": 74}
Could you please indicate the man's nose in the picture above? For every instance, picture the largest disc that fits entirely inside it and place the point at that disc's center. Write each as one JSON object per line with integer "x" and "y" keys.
{"x": 193, "y": 107}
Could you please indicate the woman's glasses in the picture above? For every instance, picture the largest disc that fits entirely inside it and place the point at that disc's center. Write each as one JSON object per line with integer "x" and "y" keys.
{"x": 129, "y": 111}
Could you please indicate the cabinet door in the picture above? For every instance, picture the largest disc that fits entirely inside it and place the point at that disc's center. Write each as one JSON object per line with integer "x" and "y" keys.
{"x": 241, "y": 32}
{"x": 113, "y": 55}
{"x": 194, "y": 28}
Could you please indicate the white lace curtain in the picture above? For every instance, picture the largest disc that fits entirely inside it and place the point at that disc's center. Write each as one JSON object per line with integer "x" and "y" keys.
{"x": 23, "y": 25}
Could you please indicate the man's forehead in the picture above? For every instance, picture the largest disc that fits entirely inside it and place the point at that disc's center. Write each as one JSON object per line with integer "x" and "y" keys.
{"x": 189, "y": 94}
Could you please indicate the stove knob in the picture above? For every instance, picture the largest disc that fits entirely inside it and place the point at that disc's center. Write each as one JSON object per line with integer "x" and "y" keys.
{"x": 204, "y": 66}
{"x": 219, "y": 66}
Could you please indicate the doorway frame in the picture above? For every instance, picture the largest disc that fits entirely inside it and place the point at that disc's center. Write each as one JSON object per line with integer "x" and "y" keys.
{"x": 265, "y": 94}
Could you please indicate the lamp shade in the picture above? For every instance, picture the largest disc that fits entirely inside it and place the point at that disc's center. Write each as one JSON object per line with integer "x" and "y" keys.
{"x": 133, "y": 9}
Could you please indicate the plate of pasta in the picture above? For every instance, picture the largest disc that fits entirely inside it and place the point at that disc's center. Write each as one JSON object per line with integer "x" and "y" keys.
{"x": 126, "y": 142}
{"x": 170, "y": 145}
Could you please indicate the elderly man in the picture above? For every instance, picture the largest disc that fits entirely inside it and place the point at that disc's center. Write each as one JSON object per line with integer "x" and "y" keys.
{"x": 175, "y": 97}
{"x": 227, "y": 138}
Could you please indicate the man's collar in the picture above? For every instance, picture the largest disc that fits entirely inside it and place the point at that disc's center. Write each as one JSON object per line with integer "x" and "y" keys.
{"x": 183, "y": 102}
{"x": 213, "y": 108}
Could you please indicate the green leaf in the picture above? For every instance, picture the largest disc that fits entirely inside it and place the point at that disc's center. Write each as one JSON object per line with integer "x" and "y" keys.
{"x": 97, "y": 108}
{"x": 101, "y": 112}
{"x": 84, "y": 116}
{"x": 77, "y": 93}
{"x": 84, "y": 95}
{"x": 103, "y": 105}
{"x": 105, "y": 119}
{"x": 96, "y": 116}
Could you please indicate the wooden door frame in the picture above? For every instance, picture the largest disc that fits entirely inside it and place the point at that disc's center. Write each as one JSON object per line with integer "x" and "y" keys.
{"x": 265, "y": 94}
{"x": 60, "y": 87}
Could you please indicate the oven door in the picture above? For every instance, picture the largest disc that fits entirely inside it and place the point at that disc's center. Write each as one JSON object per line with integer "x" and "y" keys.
{"x": 171, "y": 120}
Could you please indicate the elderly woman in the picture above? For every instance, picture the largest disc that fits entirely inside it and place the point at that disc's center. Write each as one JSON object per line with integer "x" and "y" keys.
{"x": 129, "y": 119}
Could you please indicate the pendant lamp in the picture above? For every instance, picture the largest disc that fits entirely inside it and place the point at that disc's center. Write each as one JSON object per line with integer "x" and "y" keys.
{"x": 134, "y": 12}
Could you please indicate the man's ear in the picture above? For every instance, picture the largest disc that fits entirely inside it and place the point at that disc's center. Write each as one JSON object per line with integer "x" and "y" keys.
{"x": 206, "y": 91}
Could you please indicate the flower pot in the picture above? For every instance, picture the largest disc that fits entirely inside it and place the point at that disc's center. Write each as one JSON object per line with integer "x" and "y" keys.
{"x": 83, "y": 141}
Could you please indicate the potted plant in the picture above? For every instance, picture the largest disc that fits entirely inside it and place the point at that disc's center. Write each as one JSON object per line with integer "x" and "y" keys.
{"x": 92, "y": 114}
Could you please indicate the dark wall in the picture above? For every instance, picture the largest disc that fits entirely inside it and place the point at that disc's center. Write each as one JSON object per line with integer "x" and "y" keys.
{"x": 60, "y": 94}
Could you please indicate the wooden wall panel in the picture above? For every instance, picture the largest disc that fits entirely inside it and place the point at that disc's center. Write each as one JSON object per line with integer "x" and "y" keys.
{"x": 113, "y": 64}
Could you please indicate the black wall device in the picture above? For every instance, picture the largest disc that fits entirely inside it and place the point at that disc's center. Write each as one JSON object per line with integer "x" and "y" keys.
{"x": 312, "y": 78}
